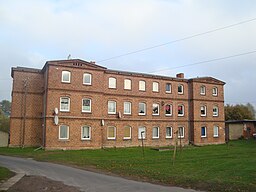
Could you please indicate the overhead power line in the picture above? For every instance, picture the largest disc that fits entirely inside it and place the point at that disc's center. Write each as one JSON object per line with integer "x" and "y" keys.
{"x": 207, "y": 61}
{"x": 177, "y": 40}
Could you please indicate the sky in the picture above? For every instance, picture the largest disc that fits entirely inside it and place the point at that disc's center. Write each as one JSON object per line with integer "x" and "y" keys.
{"x": 35, "y": 31}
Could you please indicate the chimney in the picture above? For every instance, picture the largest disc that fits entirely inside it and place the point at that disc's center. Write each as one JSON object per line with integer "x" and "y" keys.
{"x": 180, "y": 75}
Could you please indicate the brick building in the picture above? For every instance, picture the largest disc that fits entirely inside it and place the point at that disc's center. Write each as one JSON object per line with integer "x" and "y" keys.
{"x": 76, "y": 104}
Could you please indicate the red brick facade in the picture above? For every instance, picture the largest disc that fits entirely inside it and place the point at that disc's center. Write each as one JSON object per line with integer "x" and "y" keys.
{"x": 36, "y": 93}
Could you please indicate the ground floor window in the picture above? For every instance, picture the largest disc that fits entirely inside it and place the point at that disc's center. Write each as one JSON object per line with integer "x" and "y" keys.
{"x": 215, "y": 131}
{"x": 155, "y": 132}
{"x": 180, "y": 132}
{"x": 127, "y": 132}
{"x": 168, "y": 132}
{"x": 111, "y": 133}
{"x": 86, "y": 133}
{"x": 203, "y": 131}
{"x": 142, "y": 133}
{"x": 63, "y": 132}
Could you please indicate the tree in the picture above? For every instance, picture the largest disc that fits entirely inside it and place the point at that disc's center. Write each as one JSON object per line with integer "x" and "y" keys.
{"x": 6, "y": 107}
{"x": 4, "y": 122}
{"x": 239, "y": 112}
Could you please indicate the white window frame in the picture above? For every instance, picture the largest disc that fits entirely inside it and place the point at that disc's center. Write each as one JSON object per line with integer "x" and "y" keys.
{"x": 204, "y": 109}
{"x": 145, "y": 108}
{"x": 65, "y": 73}
{"x": 142, "y": 85}
{"x": 111, "y": 138}
{"x": 87, "y": 111}
{"x": 170, "y": 86}
{"x": 155, "y": 137}
{"x": 215, "y": 91}
{"x": 168, "y": 136}
{"x": 153, "y": 107}
{"x": 202, "y": 90}
{"x": 127, "y": 84}
{"x": 67, "y": 132}
{"x": 170, "y": 105}
{"x": 204, "y": 136}
{"x": 217, "y": 128}
{"x": 215, "y": 113}
{"x": 155, "y": 86}
{"x": 129, "y": 104}
{"x": 109, "y": 103}
{"x": 182, "y": 89}
{"x": 140, "y": 129}
{"x": 112, "y": 82}
{"x": 82, "y": 131}
{"x": 183, "y": 110}
{"x": 182, "y": 133}
{"x": 65, "y": 110}
{"x": 90, "y": 78}
{"x": 130, "y": 132}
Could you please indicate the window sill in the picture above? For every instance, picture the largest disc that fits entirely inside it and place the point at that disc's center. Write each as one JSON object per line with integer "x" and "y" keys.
{"x": 168, "y": 115}
{"x": 63, "y": 140}
{"x": 127, "y": 139}
{"x": 65, "y": 111}
{"x": 168, "y": 92}
{"x": 155, "y": 138}
{"x": 180, "y": 93}
{"x": 142, "y": 114}
{"x": 180, "y": 115}
{"x": 203, "y": 137}
{"x": 87, "y": 84}
{"x": 85, "y": 139}
{"x": 168, "y": 137}
{"x": 111, "y": 139}
{"x": 129, "y": 114}
{"x": 155, "y": 114}
{"x": 88, "y": 112}
{"x": 65, "y": 82}
{"x": 215, "y": 136}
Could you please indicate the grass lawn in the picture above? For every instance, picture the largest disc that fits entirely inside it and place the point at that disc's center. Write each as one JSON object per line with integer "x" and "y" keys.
{"x": 213, "y": 168}
{"x": 5, "y": 174}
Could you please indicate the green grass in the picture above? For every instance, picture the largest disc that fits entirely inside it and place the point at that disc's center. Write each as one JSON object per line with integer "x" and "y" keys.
{"x": 5, "y": 174}
{"x": 213, "y": 168}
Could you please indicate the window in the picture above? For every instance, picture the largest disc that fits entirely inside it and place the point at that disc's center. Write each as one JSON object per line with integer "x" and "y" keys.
{"x": 203, "y": 131}
{"x": 142, "y": 108}
{"x": 111, "y": 107}
{"x": 180, "y": 89}
{"x": 86, "y": 105}
{"x": 112, "y": 83}
{"x": 86, "y": 133}
{"x": 65, "y": 77}
{"x": 127, "y": 84}
{"x": 202, "y": 90}
{"x": 215, "y": 131}
{"x": 203, "y": 110}
{"x": 155, "y": 86}
{"x": 168, "y": 110}
{"x": 63, "y": 132}
{"x": 111, "y": 133}
{"x": 64, "y": 104}
{"x": 168, "y": 88}
{"x": 142, "y": 133}
{"x": 87, "y": 79}
{"x": 127, "y": 132}
{"x": 215, "y": 111}
{"x": 168, "y": 132}
{"x": 127, "y": 108}
{"x": 155, "y": 109}
{"x": 142, "y": 85}
{"x": 180, "y": 110}
{"x": 180, "y": 132}
{"x": 155, "y": 134}
{"x": 215, "y": 91}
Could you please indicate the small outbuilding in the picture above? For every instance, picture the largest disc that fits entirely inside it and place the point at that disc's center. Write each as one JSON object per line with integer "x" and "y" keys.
{"x": 240, "y": 129}
{"x": 4, "y": 137}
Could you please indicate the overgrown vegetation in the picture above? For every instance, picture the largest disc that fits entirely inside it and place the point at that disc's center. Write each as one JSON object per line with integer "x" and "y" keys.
{"x": 5, "y": 111}
{"x": 212, "y": 168}
{"x": 239, "y": 112}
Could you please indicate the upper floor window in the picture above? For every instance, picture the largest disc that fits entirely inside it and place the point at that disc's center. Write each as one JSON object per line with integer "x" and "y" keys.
{"x": 168, "y": 110}
{"x": 180, "y": 110}
{"x": 203, "y": 131}
{"x": 128, "y": 108}
{"x": 214, "y": 91}
{"x": 202, "y": 90}
{"x": 168, "y": 88}
{"x": 86, "y": 105}
{"x": 111, "y": 107}
{"x": 127, "y": 132}
{"x": 142, "y": 133}
{"x": 180, "y": 132}
{"x": 215, "y": 131}
{"x": 180, "y": 89}
{"x": 111, "y": 132}
{"x": 155, "y": 109}
{"x": 155, "y": 134}
{"x": 155, "y": 87}
{"x": 142, "y": 108}
{"x": 203, "y": 110}
{"x": 142, "y": 85}
{"x": 63, "y": 132}
{"x": 87, "y": 79}
{"x": 215, "y": 111}
{"x": 128, "y": 84}
{"x": 112, "y": 83}
{"x": 64, "y": 104}
{"x": 86, "y": 133}
{"x": 65, "y": 77}
{"x": 168, "y": 132}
